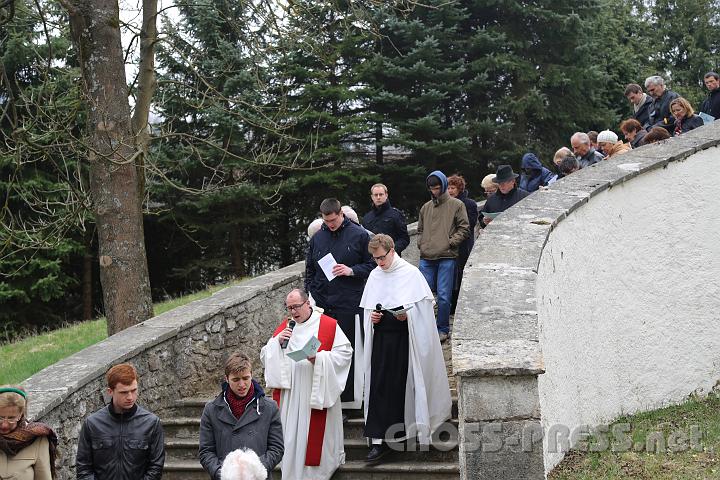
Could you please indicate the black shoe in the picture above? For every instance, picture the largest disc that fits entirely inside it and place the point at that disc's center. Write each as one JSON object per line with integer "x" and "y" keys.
{"x": 377, "y": 452}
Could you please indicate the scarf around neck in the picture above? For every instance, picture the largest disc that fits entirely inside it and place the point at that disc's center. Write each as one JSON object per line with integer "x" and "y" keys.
{"x": 24, "y": 435}
{"x": 238, "y": 404}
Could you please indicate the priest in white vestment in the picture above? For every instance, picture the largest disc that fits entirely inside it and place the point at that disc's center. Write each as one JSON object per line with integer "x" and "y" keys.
{"x": 410, "y": 360}
{"x": 308, "y": 391}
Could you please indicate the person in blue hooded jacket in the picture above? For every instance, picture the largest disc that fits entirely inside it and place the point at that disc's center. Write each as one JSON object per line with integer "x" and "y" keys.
{"x": 442, "y": 226}
{"x": 534, "y": 174}
{"x": 240, "y": 417}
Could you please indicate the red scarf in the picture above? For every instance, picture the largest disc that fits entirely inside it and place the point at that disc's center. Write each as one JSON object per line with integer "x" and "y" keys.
{"x": 238, "y": 404}
{"x": 24, "y": 435}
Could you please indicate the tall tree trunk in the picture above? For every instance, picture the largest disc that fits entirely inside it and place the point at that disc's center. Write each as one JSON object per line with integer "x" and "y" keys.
{"x": 114, "y": 185}
{"x": 378, "y": 143}
{"x": 237, "y": 251}
{"x": 87, "y": 278}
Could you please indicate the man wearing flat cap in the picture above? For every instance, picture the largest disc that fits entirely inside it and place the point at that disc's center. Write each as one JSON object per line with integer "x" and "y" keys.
{"x": 507, "y": 195}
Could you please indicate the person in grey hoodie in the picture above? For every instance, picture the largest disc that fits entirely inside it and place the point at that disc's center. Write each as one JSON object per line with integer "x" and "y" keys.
{"x": 240, "y": 417}
{"x": 442, "y": 226}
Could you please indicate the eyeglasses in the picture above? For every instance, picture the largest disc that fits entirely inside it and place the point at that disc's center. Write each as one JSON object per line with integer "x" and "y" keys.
{"x": 10, "y": 420}
{"x": 290, "y": 308}
{"x": 381, "y": 258}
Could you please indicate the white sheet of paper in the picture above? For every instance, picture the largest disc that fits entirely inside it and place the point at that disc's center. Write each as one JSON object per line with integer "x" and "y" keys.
{"x": 327, "y": 263}
{"x": 309, "y": 350}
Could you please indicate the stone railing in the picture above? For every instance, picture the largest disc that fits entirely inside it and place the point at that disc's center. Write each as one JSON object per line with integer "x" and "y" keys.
{"x": 592, "y": 299}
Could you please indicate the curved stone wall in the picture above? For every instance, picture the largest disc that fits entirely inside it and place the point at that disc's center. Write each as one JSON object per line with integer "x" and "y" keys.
{"x": 589, "y": 300}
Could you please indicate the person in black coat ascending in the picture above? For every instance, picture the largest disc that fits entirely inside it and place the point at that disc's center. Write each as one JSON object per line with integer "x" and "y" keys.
{"x": 456, "y": 189}
{"x": 384, "y": 218}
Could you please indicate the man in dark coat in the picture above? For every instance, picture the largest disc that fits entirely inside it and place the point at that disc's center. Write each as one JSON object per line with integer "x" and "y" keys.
{"x": 507, "y": 195}
{"x": 711, "y": 105}
{"x": 641, "y": 102}
{"x": 384, "y": 218}
{"x": 584, "y": 152}
{"x": 660, "y": 115}
{"x": 340, "y": 298}
{"x": 121, "y": 441}
{"x": 240, "y": 417}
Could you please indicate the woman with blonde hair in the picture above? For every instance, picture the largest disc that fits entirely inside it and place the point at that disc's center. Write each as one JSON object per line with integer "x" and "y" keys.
{"x": 27, "y": 449}
{"x": 685, "y": 118}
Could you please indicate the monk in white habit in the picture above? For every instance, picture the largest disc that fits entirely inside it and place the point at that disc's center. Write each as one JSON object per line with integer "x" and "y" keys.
{"x": 404, "y": 364}
{"x": 308, "y": 391}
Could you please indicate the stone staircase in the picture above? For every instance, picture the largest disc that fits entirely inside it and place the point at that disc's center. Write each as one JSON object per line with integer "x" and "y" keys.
{"x": 438, "y": 462}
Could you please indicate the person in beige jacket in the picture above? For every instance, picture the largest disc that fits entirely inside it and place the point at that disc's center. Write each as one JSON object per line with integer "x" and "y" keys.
{"x": 27, "y": 449}
{"x": 442, "y": 227}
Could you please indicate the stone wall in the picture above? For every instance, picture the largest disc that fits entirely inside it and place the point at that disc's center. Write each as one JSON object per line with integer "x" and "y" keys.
{"x": 558, "y": 320}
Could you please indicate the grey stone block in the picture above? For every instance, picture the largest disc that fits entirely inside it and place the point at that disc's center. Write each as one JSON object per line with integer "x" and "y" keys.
{"x": 498, "y": 398}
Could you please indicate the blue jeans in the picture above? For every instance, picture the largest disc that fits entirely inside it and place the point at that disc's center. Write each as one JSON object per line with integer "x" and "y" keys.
{"x": 440, "y": 275}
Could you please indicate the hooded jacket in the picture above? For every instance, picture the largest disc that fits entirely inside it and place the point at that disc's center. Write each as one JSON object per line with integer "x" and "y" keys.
{"x": 442, "y": 224}
{"x": 259, "y": 429}
{"x": 541, "y": 176}
{"x": 349, "y": 246}
{"x": 120, "y": 446}
{"x": 390, "y": 221}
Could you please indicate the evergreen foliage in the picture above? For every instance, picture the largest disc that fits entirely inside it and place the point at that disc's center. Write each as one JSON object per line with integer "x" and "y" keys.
{"x": 265, "y": 109}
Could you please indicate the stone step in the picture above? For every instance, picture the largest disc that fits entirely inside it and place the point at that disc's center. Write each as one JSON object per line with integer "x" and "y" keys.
{"x": 189, "y": 428}
{"x": 193, "y": 407}
{"x": 356, "y": 470}
{"x": 186, "y": 449}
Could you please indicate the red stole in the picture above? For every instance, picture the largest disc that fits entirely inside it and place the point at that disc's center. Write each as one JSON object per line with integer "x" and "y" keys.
{"x": 316, "y": 433}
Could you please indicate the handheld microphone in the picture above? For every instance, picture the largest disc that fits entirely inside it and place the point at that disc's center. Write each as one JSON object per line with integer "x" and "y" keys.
{"x": 284, "y": 343}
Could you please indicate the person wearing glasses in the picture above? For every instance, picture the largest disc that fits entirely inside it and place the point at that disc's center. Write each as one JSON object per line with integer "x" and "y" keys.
{"x": 27, "y": 449}
{"x": 308, "y": 388}
{"x": 407, "y": 392}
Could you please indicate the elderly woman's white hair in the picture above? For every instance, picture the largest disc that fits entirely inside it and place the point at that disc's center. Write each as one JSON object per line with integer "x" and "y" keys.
{"x": 487, "y": 181}
{"x": 314, "y": 227}
{"x": 350, "y": 213}
{"x": 243, "y": 464}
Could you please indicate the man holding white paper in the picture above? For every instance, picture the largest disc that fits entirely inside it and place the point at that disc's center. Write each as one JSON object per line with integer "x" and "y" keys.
{"x": 336, "y": 267}
{"x": 405, "y": 376}
{"x": 308, "y": 390}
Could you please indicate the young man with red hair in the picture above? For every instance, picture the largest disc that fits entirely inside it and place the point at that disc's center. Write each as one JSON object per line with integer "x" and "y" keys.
{"x": 122, "y": 440}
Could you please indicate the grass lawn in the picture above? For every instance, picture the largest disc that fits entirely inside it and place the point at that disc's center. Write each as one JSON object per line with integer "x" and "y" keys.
{"x": 24, "y": 358}
{"x": 692, "y": 427}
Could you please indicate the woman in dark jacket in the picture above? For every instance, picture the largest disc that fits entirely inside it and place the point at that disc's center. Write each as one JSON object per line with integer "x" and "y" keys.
{"x": 240, "y": 417}
{"x": 685, "y": 118}
{"x": 456, "y": 189}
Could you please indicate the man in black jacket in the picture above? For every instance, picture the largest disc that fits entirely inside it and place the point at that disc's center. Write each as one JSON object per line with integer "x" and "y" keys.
{"x": 384, "y": 218}
{"x": 660, "y": 115}
{"x": 121, "y": 441}
{"x": 711, "y": 105}
{"x": 507, "y": 195}
{"x": 340, "y": 298}
{"x": 641, "y": 102}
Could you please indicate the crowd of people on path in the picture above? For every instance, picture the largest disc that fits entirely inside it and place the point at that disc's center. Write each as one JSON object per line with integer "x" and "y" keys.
{"x": 362, "y": 334}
